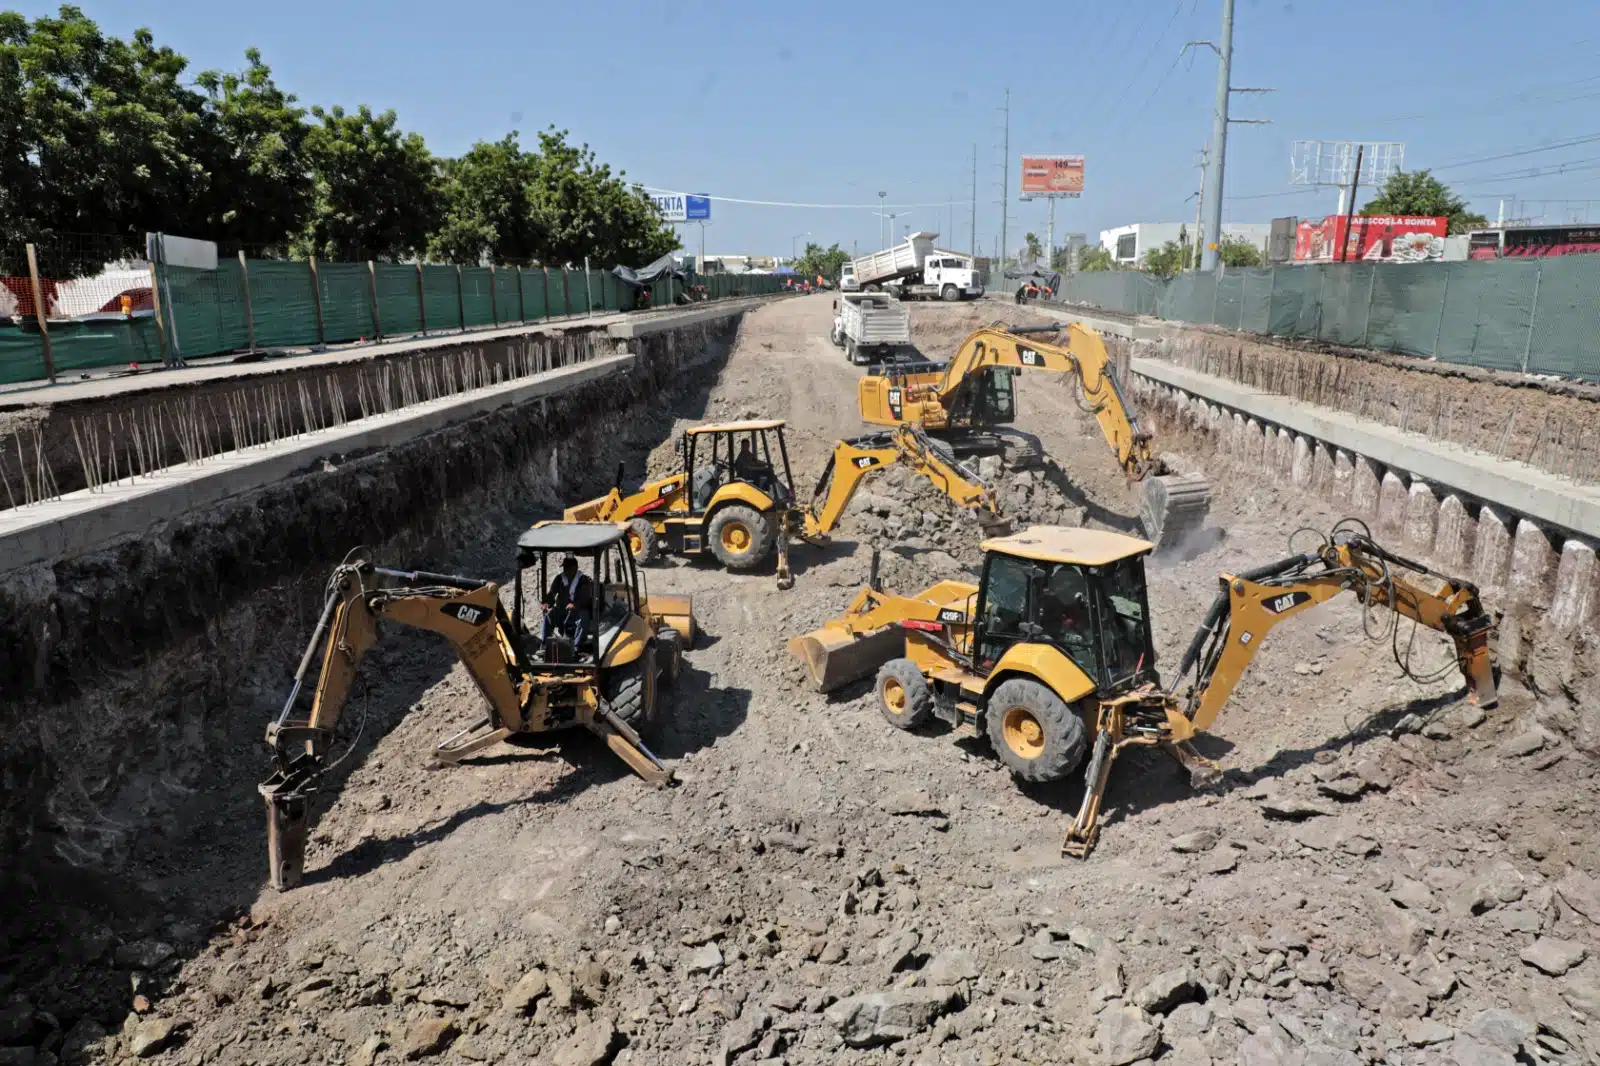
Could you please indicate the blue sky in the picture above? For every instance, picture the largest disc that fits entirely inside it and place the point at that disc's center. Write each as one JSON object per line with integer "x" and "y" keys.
{"x": 831, "y": 103}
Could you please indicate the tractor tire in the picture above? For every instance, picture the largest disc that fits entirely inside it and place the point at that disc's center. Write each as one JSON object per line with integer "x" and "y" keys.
{"x": 630, "y": 690}
{"x": 950, "y": 294}
{"x": 643, "y": 541}
{"x": 1034, "y": 732}
{"x": 903, "y": 694}
{"x": 669, "y": 643}
{"x": 740, "y": 536}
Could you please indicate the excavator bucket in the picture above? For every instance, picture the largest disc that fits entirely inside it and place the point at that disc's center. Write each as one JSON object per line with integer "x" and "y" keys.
{"x": 834, "y": 656}
{"x": 1173, "y": 507}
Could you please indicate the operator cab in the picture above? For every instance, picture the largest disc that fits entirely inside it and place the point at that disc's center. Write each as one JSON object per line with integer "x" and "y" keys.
{"x": 1081, "y": 591}
{"x": 753, "y": 453}
{"x": 987, "y": 398}
{"x": 582, "y": 637}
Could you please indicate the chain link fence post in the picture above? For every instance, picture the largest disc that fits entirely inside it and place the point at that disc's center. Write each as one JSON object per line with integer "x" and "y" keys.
{"x": 1533, "y": 314}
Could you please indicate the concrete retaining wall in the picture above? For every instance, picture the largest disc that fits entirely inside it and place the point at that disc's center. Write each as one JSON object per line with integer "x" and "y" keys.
{"x": 135, "y": 634}
{"x": 1524, "y": 537}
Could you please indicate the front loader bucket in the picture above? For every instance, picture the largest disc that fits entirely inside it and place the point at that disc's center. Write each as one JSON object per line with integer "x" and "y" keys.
{"x": 1173, "y": 507}
{"x": 834, "y": 657}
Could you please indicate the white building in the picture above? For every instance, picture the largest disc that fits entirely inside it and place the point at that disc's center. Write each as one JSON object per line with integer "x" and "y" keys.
{"x": 1128, "y": 245}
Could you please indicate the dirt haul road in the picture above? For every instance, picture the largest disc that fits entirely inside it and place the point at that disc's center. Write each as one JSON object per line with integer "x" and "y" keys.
{"x": 823, "y": 888}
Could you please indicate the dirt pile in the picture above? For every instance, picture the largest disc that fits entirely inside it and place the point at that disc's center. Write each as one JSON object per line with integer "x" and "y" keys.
{"x": 1389, "y": 876}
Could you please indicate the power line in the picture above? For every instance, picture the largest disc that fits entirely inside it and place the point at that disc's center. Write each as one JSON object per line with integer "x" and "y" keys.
{"x": 1588, "y": 138}
{"x": 1155, "y": 44}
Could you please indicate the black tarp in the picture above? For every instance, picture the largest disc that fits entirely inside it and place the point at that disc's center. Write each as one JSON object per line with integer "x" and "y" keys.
{"x": 1048, "y": 278}
{"x": 665, "y": 267}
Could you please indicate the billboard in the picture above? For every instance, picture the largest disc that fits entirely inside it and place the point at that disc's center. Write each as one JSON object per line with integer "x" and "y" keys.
{"x": 682, "y": 207}
{"x": 1372, "y": 238}
{"x": 1052, "y": 175}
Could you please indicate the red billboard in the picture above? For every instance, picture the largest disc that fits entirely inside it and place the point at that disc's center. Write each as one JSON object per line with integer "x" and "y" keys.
{"x": 1373, "y": 238}
{"x": 1052, "y": 175}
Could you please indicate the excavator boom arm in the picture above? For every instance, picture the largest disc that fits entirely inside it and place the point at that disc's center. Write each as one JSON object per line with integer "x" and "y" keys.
{"x": 854, "y": 459}
{"x": 1251, "y": 604}
{"x": 1084, "y": 356}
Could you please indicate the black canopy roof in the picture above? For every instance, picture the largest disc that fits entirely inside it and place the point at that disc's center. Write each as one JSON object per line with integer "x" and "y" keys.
{"x": 569, "y": 536}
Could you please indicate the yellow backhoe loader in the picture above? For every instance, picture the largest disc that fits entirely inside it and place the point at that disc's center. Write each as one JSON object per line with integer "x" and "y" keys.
{"x": 1050, "y": 655}
{"x": 971, "y": 401}
{"x": 601, "y": 668}
{"x": 739, "y": 502}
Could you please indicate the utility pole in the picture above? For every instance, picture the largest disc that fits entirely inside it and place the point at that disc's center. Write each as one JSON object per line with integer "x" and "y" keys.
{"x": 972, "y": 233}
{"x": 1219, "y": 137}
{"x": 1212, "y": 237}
{"x": 1199, "y": 208}
{"x": 1050, "y": 237}
{"x": 1005, "y": 177}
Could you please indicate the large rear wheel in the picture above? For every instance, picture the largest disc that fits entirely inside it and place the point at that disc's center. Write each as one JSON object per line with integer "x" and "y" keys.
{"x": 740, "y": 536}
{"x": 1034, "y": 732}
{"x": 628, "y": 690}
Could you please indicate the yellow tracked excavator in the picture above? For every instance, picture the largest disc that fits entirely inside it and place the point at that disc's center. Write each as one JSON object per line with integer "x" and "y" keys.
{"x": 600, "y": 666}
{"x": 1050, "y": 655}
{"x": 970, "y": 403}
{"x": 734, "y": 496}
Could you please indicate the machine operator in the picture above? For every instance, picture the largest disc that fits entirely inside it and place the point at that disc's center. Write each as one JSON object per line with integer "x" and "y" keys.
{"x": 569, "y": 603}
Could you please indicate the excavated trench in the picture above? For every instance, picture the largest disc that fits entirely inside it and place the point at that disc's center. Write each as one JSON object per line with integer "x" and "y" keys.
{"x": 138, "y": 679}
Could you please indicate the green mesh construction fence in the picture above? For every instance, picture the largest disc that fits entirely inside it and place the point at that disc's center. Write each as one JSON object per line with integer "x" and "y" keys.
{"x": 1540, "y": 316}
{"x": 276, "y": 304}
{"x": 399, "y": 293}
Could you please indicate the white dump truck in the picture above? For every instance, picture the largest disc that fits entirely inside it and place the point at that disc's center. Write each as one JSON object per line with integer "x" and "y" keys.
{"x": 915, "y": 269}
{"x": 871, "y": 327}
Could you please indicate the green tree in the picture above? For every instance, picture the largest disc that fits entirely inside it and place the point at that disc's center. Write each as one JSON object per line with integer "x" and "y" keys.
{"x": 1418, "y": 192}
{"x": 376, "y": 187}
{"x": 1165, "y": 261}
{"x": 1238, "y": 252}
{"x": 1035, "y": 250}
{"x": 97, "y": 136}
{"x": 583, "y": 209}
{"x": 261, "y": 189}
{"x": 488, "y": 207}
{"x": 1094, "y": 258}
{"x": 817, "y": 260}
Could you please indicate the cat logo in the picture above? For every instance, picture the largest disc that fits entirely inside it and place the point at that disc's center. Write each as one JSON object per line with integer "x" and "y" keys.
{"x": 950, "y": 614}
{"x": 466, "y": 612}
{"x": 1287, "y": 602}
{"x": 1029, "y": 357}
{"x": 894, "y": 402}
{"x": 864, "y": 462}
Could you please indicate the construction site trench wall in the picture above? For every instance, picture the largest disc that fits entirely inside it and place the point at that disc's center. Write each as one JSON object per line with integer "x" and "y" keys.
{"x": 1491, "y": 482}
{"x": 136, "y": 629}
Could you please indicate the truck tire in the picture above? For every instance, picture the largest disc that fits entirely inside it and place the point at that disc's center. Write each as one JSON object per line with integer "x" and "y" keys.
{"x": 851, "y": 353}
{"x": 836, "y": 337}
{"x": 739, "y": 536}
{"x": 950, "y": 294}
{"x": 903, "y": 694}
{"x": 1033, "y": 731}
{"x": 859, "y": 357}
{"x": 643, "y": 541}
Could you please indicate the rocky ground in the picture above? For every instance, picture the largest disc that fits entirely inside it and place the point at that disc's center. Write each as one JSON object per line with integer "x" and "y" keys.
{"x": 1389, "y": 876}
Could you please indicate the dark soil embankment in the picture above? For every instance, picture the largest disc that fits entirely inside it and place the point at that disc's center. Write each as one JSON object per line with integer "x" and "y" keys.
{"x": 140, "y": 678}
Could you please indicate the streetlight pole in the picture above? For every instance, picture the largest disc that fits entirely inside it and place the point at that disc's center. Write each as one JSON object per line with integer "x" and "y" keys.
{"x": 881, "y": 206}
{"x": 793, "y": 254}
